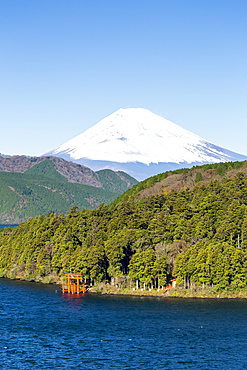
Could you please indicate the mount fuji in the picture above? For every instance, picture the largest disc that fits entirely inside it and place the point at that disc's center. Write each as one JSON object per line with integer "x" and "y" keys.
{"x": 141, "y": 143}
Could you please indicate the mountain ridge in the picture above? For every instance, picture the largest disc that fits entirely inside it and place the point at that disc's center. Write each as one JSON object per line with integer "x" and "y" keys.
{"x": 31, "y": 186}
{"x": 73, "y": 172}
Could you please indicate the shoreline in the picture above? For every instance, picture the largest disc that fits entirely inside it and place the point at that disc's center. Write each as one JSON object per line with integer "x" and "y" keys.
{"x": 166, "y": 293}
{"x": 169, "y": 293}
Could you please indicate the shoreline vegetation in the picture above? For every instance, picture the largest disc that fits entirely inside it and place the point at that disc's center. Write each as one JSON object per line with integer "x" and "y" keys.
{"x": 168, "y": 292}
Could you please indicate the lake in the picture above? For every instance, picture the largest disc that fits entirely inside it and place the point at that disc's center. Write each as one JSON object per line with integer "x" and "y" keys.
{"x": 3, "y": 226}
{"x": 43, "y": 329}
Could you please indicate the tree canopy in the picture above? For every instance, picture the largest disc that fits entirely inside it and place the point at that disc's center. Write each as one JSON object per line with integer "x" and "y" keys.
{"x": 198, "y": 236}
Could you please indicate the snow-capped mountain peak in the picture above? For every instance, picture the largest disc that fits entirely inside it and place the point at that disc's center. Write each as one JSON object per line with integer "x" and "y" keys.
{"x": 136, "y": 135}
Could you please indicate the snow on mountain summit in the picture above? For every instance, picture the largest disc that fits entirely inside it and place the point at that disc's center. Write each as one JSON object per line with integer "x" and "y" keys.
{"x": 134, "y": 136}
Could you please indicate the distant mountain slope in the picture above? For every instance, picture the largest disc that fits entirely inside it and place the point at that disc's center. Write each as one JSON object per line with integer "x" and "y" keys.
{"x": 24, "y": 195}
{"x": 47, "y": 169}
{"x": 42, "y": 188}
{"x": 182, "y": 179}
{"x": 117, "y": 181}
{"x": 61, "y": 169}
{"x": 142, "y": 144}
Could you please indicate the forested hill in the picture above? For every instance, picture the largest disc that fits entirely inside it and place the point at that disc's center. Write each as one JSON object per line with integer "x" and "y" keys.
{"x": 117, "y": 181}
{"x": 182, "y": 179}
{"x": 197, "y": 235}
{"x": 42, "y": 188}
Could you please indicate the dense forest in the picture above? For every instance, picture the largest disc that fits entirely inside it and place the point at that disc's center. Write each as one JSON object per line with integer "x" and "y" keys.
{"x": 55, "y": 186}
{"x": 197, "y": 235}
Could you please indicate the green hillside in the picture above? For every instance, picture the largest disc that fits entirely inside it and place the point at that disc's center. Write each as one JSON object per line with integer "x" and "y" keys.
{"x": 47, "y": 169}
{"x": 27, "y": 195}
{"x": 42, "y": 188}
{"x": 197, "y": 235}
{"x": 62, "y": 170}
{"x": 117, "y": 182}
{"x": 216, "y": 170}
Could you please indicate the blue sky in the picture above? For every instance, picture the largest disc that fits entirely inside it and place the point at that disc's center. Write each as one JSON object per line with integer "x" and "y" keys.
{"x": 65, "y": 65}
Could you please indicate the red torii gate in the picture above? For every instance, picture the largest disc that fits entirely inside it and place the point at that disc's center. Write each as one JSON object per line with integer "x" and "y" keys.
{"x": 73, "y": 284}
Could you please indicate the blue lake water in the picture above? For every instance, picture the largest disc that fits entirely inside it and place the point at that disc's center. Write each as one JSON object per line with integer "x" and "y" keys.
{"x": 43, "y": 329}
{"x": 3, "y": 226}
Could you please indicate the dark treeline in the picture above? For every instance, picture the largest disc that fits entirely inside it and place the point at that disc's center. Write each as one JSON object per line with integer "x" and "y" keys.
{"x": 198, "y": 236}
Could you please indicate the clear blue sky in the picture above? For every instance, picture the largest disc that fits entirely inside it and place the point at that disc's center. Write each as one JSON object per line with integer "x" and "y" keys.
{"x": 65, "y": 65}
